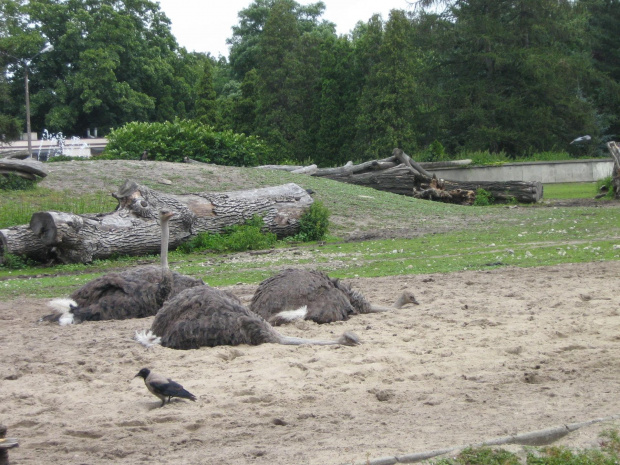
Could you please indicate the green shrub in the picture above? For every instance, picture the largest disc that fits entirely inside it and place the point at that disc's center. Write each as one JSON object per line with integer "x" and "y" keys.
{"x": 238, "y": 238}
{"x": 487, "y": 158}
{"x": 173, "y": 141}
{"x": 314, "y": 223}
{"x": 435, "y": 152}
{"x": 59, "y": 158}
{"x": 14, "y": 262}
{"x": 12, "y": 182}
{"x": 608, "y": 184}
{"x": 483, "y": 198}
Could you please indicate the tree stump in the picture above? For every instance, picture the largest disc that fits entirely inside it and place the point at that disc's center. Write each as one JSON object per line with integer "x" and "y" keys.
{"x": 614, "y": 150}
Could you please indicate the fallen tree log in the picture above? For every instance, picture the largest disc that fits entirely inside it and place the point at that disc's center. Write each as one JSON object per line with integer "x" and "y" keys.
{"x": 28, "y": 169}
{"x": 401, "y": 175}
{"x": 15, "y": 153}
{"x": 614, "y": 150}
{"x": 133, "y": 229}
{"x": 21, "y": 241}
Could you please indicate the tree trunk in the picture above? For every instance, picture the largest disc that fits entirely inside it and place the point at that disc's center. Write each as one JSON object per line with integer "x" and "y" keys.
{"x": 614, "y": 150}
{"x": 401, "y": 175}
{"x": 133, "y": 229}
{"x": 21, "y": 241}
{"x": 28, "y": 169}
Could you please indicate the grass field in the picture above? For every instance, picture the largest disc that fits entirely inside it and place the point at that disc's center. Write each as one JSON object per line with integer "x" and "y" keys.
{"x": 401, "y": 235}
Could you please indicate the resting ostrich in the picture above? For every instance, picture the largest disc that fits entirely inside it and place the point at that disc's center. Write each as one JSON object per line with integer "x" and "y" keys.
{"x": 312, "y": 295}
{"x": 205, "y": 316}
{"x": 135, "y": 293}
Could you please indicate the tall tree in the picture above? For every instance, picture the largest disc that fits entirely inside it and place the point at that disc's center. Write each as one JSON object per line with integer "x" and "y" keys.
{"x": 280, "y": 123}
{"x": 604, "y": 22}
{"x": 338, "y": 103}
{"x": 389, "y": 105}
{"x": 245, "y": 41}
{"x": 114, "y": 61}
{"x": 206, "y": 109}
{"x": 513, "y": 73}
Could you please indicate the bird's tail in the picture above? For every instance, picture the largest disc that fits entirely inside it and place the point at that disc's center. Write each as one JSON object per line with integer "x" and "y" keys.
{"x": 64, "y": 309}
{"x": 187, "y": 395}
{"x": 287, "y": 316}
{"x": 147, "y": 338}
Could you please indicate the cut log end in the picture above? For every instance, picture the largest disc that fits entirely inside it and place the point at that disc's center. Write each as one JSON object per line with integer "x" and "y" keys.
{"x": 42, "y": 225}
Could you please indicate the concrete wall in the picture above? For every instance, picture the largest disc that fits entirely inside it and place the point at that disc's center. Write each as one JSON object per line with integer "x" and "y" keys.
{"x": 545, "y": 172}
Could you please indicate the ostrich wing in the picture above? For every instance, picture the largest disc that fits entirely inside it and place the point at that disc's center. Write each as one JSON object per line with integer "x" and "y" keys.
{"x": 291, "y": 289}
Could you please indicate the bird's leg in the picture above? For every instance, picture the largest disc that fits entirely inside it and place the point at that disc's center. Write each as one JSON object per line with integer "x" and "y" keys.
{"x": 163, "y": 401}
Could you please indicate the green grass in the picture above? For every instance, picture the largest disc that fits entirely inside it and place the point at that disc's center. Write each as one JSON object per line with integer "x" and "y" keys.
{"x": 575, "y": 190}
{"x": 607, "y": 454}
{"x": 525, "y": 237}
{"x": 442, "y": 237}
{"x": 16, "y": 207}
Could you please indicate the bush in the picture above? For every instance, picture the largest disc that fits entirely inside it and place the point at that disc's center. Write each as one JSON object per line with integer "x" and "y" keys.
{"x": 239, "y": 238}
{"x": 483, "y": 198}
{"x": 606, "y": 184}
{"x": 12, "y": 182}
{"x": 173, "y": 141}
{"x": 435, "y": 152}
{"x": 14, "y": 262}
{"x": 60, "y": 158}
{"x": 314, "y": 224}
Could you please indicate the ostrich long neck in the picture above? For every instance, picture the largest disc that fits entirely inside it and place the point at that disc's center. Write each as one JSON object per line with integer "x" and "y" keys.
{"x": 165, "y": 237}
{"x": 296, "y": 341}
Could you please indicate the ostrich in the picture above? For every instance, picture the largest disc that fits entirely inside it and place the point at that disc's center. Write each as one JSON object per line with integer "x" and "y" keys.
{"x": 205, "y": 316}
{"x": 312, "y": 295}
{"x": 135, "y": 293}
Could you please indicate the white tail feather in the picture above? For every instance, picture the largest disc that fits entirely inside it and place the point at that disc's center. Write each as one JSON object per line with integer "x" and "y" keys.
{"x": 62, "y": 305}
{"x": 147, "y": 339}
{"x": 65, "y": 307}
{"x": 291, "y": 315}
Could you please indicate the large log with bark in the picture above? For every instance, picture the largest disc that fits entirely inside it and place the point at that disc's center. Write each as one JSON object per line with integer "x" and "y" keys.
{"x": 21, "y": 241}
{"x": 400, "y": 174}
{"x": 133, "y": 229}
{"x": 28, "y": 168}
{"x": 614, "y": 150}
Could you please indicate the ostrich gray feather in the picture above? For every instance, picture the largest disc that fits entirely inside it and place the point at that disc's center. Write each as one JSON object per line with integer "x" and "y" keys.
{"x": 327, "y": 299}
{"x": 205, "y": 316}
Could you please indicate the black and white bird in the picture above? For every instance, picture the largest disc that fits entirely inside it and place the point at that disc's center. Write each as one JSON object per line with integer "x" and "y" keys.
{"x": 163, "y": 387}
{"x": 581, "y": 140}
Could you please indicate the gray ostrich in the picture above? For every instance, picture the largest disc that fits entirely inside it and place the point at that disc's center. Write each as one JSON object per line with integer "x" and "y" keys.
{"x": 294, "y": 294}
{"x": 135, "y": 293}
{"x": 205, "y": 316}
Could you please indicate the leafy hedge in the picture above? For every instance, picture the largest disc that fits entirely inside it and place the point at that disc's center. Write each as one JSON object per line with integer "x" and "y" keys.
{"x": 173, "y": 141}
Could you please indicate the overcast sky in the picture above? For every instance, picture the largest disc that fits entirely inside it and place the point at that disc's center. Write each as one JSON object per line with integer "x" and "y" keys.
{"x": 204, "y": 26}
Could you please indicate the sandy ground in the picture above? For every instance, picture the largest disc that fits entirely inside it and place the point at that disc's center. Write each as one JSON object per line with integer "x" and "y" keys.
{"x": 486, "y": 354}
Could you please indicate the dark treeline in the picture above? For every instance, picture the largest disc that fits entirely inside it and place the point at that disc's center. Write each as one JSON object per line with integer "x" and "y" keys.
{"x": 513, "y": 76}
